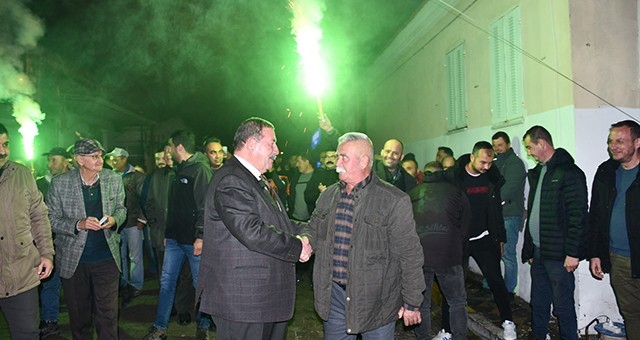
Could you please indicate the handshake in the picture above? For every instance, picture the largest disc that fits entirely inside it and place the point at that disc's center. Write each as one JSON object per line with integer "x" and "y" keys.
{"x": 307, "y": 251}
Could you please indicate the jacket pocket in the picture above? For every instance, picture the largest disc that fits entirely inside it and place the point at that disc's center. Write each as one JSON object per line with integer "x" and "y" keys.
{"x": 26, "y": 253}
{"x": 250, "y": 275}
{"x": 376, "y": 240}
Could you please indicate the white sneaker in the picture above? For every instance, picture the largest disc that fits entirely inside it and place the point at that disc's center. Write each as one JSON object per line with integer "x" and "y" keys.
{"x": 442, "y": 335}
{"x": 509, "y": 330}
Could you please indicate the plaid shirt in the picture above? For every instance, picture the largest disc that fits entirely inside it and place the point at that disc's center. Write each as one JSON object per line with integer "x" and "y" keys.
{"x": 344, "y": 228}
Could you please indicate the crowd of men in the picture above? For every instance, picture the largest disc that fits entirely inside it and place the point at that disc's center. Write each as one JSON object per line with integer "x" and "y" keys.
{"x": 227, "y": 234}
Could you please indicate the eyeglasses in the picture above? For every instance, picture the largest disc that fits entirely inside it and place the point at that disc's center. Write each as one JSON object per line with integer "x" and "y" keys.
{"x": 93, "y": 157}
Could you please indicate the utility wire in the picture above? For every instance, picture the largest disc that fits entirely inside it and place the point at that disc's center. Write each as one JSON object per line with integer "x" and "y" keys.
{"x": 471, "y": 22}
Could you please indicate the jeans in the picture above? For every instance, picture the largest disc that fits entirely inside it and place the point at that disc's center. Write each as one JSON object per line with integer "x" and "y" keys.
{"x": 131, "y": 244}
{"x": 174, "y": 256}
{"x": 50, "y": 296}
{"x": 627, "y": 292}
{"x": 451, "y": 281}
{"x": 21, "y": 313}
{"x": 512, "y": 224}
{"x": 335, "y": 326}
{"x": 551, "y": 283}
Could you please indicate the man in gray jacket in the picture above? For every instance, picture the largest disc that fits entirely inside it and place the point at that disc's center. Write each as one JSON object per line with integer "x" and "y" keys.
{"x": 86, "y": 207}
{"x": 513, "y": 169}
{"x": 368, "y": 269}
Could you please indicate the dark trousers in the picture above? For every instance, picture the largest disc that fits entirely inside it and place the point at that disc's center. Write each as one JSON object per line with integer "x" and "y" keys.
{"x": 185, "y": 293}
{"x": 451, "y": 282}
{"x": 21, "y": 312}
{"x": 487, "y": 255}
{"x": 231, "y": 330}
{"x": 93, "y": 287}
{"x": 551, "y": 283}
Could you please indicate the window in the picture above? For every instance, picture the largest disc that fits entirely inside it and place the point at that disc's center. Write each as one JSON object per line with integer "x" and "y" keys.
{"x": 456, "y": 89}
{"x": 507, "y": 99}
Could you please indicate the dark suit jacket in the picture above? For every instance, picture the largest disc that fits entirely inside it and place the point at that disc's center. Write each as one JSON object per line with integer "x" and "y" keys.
{"x": 247, "y": 271}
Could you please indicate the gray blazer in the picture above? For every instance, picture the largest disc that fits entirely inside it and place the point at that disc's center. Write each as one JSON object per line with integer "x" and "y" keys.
{"x": 247, "y": 271}
{"x": 66, "y": 208}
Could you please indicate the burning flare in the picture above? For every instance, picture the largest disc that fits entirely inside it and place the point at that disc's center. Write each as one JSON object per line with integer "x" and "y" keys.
{"x": 305, "y": 26}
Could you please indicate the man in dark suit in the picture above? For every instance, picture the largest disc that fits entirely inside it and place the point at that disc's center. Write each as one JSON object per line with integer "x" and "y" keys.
{"x": 247, "y": 274}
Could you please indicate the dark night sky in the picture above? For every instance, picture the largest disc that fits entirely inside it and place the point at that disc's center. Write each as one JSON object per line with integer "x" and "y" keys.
{"x": 212, "y": 62}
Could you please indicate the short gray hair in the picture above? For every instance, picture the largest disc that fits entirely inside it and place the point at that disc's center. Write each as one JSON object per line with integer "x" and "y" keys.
{"x": 355, "y": 137}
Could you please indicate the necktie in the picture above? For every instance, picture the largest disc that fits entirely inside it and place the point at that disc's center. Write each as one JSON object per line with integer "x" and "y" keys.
{"x": 269, "y": 188}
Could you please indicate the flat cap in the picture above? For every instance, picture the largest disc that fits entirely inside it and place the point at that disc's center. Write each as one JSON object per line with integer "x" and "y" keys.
{"x": 58, "y": 151}
{"x": 118, "y": 152}
{"x": 87, "y": 146}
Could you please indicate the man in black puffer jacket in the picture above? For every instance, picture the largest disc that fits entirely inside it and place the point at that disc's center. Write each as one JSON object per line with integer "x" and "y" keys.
{"x": 555, "y": 232}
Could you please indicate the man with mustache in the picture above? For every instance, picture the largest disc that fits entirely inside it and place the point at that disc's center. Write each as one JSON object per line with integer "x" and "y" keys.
{"x": 247, "y": 275}
{"x": 322, "y": 178}
{"x": 26, "y": 248}
{"x": 368, "y": 267}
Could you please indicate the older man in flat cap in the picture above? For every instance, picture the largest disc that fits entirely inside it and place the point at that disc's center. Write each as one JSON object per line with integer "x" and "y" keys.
{"x": 86, "y": 207}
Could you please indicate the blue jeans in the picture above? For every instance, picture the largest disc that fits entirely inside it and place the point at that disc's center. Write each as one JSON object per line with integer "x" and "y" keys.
{"x": 131, "y": 245}
{"x": 551, "y": 283}
{"x": 174, "y": 256}
{"x": 451, "y": 281}
{"x": 335, "y": 328}
{"x": 50, "y": 296}
{"x": 512, "y": 224}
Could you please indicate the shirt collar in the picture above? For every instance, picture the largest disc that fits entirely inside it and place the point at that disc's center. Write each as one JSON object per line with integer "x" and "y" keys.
{"x": 359, "y": 186}
{"x": 254, "y": 171}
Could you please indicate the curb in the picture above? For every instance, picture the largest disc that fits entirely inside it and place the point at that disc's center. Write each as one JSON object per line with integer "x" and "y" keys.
{"x": 482, "y": 327}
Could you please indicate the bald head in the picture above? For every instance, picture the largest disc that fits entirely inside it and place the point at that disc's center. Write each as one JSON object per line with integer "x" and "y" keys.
{"x": 392, "y": 154}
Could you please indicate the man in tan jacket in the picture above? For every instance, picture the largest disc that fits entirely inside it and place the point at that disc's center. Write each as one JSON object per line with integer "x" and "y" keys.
{"x": 26, "y": 247}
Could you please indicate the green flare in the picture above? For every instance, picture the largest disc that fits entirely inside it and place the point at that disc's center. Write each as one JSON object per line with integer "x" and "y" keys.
{"x": 307, "y": 15}
{"x": 28, "y": 115}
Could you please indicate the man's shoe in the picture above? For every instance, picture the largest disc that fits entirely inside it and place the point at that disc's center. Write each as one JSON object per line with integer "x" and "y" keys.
{"x": 202, "y": 334}
{"x": 509, "y": 329}
{"x": 156, "y": 334}
{"x": 49, "y": 328}
{"x": 184, "y": 318}
{"x": 442, "y": 335}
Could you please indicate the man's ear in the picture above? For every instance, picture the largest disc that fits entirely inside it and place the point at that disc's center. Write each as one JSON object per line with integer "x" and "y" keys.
{"x": 636, "y": 144}
{"x": 364, "y": 161}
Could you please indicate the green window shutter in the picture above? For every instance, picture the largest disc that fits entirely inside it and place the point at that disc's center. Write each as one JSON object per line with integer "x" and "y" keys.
{"x": 456, "y": 89}
{"x": 506, "y": 68}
